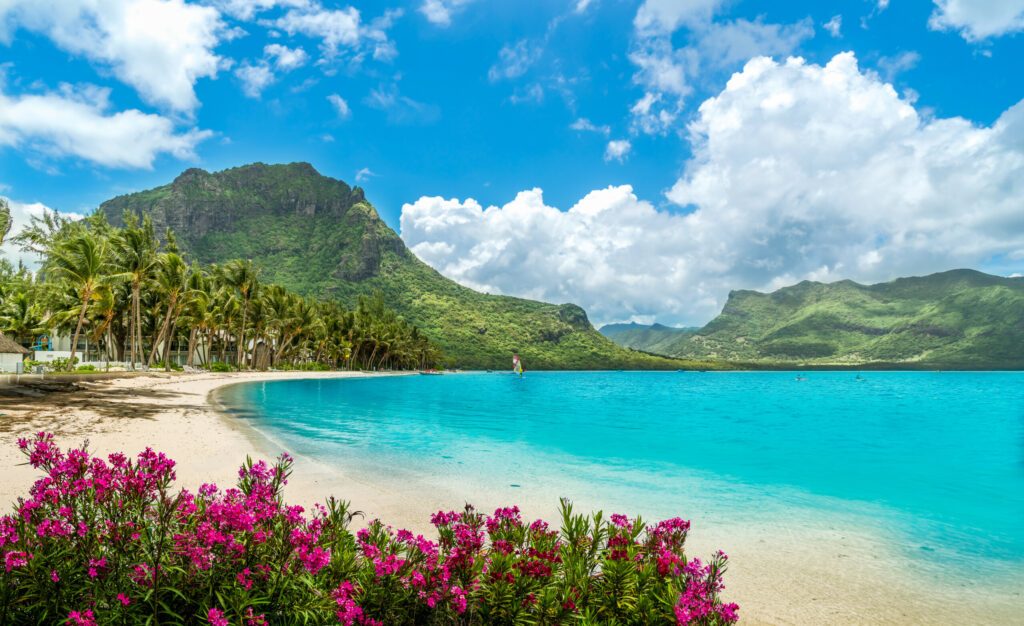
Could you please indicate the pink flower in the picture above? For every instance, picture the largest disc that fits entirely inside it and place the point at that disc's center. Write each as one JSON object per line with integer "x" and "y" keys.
{"x": 54, "y": 577}
{"x": 123, "y": 599}
{"x": 83, "y": 618}
{"x": 216, "y": 617}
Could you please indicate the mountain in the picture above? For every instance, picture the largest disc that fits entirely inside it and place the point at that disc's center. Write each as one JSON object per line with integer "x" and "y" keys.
{"x": 320, "y": 237}
{"x": 956, "y": 319}
{"x": 654, "y": 338}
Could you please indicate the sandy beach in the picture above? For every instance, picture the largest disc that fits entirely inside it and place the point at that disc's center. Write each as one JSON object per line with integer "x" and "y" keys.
{"x": 832, "y": 575}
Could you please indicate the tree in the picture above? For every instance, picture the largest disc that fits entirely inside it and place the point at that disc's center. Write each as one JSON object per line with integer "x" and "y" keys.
{"x": 243, "y": 276}
{"x": 5, "y": 219}
{"x": 81, "y": 263}
{"x": 136, "y": 252}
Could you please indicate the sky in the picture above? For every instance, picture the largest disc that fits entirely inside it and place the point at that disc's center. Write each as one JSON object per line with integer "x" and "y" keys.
{"x": 640, "y": 158}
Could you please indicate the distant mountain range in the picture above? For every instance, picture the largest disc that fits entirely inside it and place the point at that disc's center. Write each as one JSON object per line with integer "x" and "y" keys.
{"x": 956, "y": 319}
{"x": 321, "y": 237}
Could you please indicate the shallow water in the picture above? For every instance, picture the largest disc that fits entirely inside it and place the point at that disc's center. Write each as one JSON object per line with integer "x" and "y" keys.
{"x": 935, "y": 461}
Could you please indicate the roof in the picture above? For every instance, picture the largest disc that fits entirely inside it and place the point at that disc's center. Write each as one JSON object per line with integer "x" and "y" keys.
{"x": 9, "y": 346}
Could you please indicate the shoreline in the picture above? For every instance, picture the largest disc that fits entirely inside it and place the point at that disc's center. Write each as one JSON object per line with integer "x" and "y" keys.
{"x": 778, "y": 577}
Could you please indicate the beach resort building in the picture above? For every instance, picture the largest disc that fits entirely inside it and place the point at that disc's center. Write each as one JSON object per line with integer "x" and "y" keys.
{"x": 11, "y": 354}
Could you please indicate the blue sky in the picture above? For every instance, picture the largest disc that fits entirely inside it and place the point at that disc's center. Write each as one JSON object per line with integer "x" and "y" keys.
{"x": 446, "y": 107}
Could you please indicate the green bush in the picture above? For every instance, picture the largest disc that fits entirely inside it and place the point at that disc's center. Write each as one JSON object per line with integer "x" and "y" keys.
{"x": 86, "y": 368}
{"x": 217, "y": 366}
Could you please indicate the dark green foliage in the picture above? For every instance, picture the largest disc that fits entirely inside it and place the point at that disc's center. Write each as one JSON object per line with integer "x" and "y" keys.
{"x": 320, "y": 237}
{"x": 956, "y": 319}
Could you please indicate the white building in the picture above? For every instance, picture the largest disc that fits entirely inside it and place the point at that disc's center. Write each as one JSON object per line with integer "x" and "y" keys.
{"x": 11, "y": 354}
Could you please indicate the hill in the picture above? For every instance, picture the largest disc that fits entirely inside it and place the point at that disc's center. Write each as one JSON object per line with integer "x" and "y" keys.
{"x": 956, "y": 319}
{"x": 321, "y": 237}
{"x": 654, "y": 338}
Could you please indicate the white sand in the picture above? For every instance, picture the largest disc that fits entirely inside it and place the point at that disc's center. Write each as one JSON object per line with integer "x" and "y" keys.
{"x": 779, "y": 573}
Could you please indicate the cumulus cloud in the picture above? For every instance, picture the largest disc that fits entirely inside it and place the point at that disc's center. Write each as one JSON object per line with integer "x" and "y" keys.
{"x": 800, "y": 171}
{"x": 340, "y": 105}
{"x": 617, "y": 150}
{"x": 76, "y": 121}
{"x": 159, "y": 47}
{"x": 439, "y": 12}
{"x": 976, "y": 20}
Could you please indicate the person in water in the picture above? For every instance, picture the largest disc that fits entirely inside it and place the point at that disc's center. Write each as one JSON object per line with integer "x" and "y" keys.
{"x": 517, "y": 365}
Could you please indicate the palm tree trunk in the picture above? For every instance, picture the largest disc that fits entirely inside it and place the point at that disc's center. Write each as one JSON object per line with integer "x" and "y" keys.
{"x": 191, "y": 346}
{"x": 241, "y": 339}
{"x": 78, "y": 329}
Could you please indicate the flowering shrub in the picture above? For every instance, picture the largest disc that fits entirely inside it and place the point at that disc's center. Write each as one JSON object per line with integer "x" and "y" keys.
{"x": 108, "y": 542}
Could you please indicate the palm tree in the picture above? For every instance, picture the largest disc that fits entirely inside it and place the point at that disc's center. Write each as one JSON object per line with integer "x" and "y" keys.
{"x": 80, "y": 262}
{"x": 243, "y": 276}
{"x": 135, "y": 248}
{"x": 171, "y": 282}
{"x": 20, "y": 316}
{"x": 5, "y": 220}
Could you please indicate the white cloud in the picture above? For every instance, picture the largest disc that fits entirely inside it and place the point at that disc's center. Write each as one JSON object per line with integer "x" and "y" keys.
{"x": 365, "y": 174}
{"x": 255, "y": 78}
{"x": 666, "y": 16}
{"x": 531, "y": 94}
{"x": 285, "y": 58}
{"x": 666, "y": 72}
{"x": 655, "y": 115}
{"x": 259, "y": 75}
{"x": 439, "y": 12}
{"x": 584, "y": 125}
{"x": 247, "y": 9}
{"x": 159, "y": 47}
{"x": 401, "y": 109}
{"x": 617, "y": 150}
{"x": 582, "y": 5}
{"x": 514, "y": 60}
{"x": 340, "y": 106}
{"x": 340, "y": 29}
{"x": 892, "y": 66}
{"x": 21, "y": 215}
{"x": 76, "y": 121}
{"x": 800, "y": 171}
{"x": 336, "y": 27}
{"x": 978, "y": 19}
{"x": 834, "y": 26}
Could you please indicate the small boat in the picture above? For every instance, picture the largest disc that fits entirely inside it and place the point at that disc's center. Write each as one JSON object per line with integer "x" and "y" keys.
{"x": 800, "y": 378}
{"x": 431, "y": 372}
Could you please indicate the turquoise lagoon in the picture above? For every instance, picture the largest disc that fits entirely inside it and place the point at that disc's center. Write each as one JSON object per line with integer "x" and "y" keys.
{"x": 932, "y": 461}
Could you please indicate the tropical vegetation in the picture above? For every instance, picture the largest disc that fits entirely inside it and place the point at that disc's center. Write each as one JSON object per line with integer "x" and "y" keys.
{"x": 321, "y": 238}
{"x": 109, "y": 541}
{"x": 136, "y": 298}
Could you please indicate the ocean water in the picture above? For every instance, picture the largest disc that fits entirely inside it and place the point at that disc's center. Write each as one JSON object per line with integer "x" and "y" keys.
{"x": 934, "y": 461}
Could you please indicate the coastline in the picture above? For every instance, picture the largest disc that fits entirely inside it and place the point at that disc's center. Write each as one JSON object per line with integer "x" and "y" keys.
{"x": 827, "y": 575}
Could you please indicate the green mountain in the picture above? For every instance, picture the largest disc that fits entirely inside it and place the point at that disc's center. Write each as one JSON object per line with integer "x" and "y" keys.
{"x": 649, "y": 338}
{"x": 320, "y": 237}
{"x": 956, "y": 319}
